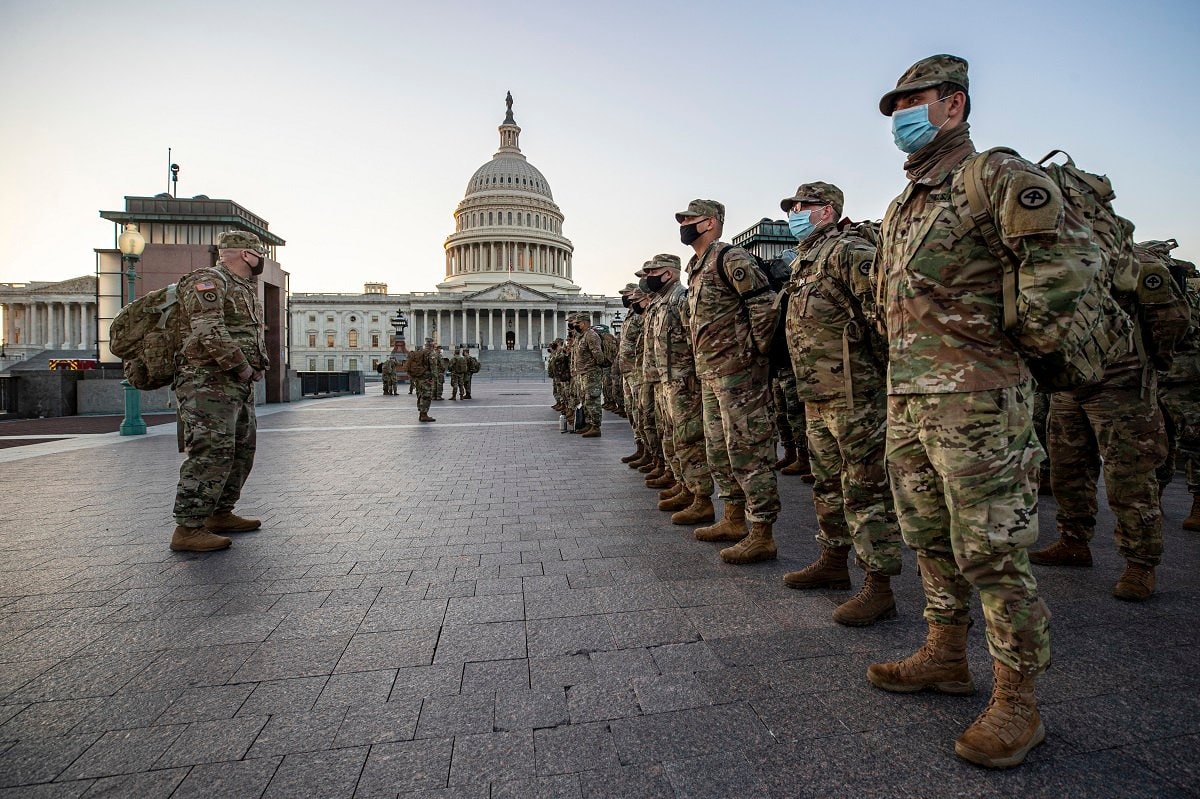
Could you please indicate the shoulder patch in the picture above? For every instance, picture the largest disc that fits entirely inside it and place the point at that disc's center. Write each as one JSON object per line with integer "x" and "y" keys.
{"x": 205, "y": 285}
{"x": 1154, "y": 285}
{"x": 1032, "y": 206}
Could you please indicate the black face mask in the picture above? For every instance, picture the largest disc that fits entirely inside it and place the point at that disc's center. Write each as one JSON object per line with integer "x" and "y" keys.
{"x": 654, "y": 282}
{"x": 625, "y": 302}
{"x": 689, "y": 233}
{"x": 259, "y": 265}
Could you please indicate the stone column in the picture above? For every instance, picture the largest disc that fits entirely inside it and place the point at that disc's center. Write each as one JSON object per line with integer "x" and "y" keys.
{"x": 543, "y": 315}
{"x": 478, "y": 336}
{"x": 48, "y": 327}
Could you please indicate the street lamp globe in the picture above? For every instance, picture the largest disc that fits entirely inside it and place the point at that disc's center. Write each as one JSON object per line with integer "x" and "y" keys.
{"x": 131, "y": 243}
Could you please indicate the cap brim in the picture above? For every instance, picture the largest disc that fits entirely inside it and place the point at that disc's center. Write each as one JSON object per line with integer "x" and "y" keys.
{"x": 640, "y": 273}
{"x": 887, "y": 102}
{"x": 682, "y": 215}
{"x": 787, "y": 203}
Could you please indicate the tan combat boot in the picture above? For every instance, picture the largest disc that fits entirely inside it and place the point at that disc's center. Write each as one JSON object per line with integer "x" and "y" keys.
{"x": 701, "y": 510}
{"x": 227, "y": 522}
{"x": 426, "y": 418}
{"x": 874, "y": 602}
{"x": 827, "y": 571}
{"x": 641, "y": 450}
{"x": 650, "y": 466}
{"x": 642, "y": 461}
{"x": 1008, "y": 727}
{"x": 197, "y": 539}
{"x": 756, "y": 547}
{"x": 789, "y": 457}
{"x": 732, "y": 526}
{"x": 680, "y": 501}
{"x": 660, "y": 469}
{"x": 673, "y": 491}
{"x": 800, "y": 467}
{"x": 940, "y": 664}
{"x": 1192, "y": 522}
{"x": 1136, "y": 583}
{"x": 591, "y": 432}
{"x": 666, "y": 481}
{"x": 1068, "y": 550}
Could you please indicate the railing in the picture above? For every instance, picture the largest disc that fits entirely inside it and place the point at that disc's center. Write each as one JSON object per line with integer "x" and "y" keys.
{"x": 8, "y": 395}
{"x": 315, "y": 383}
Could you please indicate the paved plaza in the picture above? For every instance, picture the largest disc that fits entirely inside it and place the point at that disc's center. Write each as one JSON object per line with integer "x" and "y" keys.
{"x": 484, "y": 607}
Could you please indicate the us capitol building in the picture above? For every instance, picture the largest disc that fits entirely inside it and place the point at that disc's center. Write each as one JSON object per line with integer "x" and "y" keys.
{"x": 508, "y": 279}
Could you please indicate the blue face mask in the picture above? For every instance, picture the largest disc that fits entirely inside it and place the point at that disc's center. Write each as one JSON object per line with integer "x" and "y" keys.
{"x": 801, "y": 224}
{"x": 911, "y": 128}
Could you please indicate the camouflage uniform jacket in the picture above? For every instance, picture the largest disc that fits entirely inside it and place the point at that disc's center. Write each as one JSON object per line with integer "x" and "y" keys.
{"x": 388, "y": 368}
{"x": 226, "y": 321}
{"x": 672, "y": 337}
{"x": 828, "y": 334}
{"x": 458, "y": 365}
{"x": 1185, "y": 368}
{"x": 941, "y": 286}
{"x": 588, "y": 353}
{"x": 631, "y": 342}
{"x": 732, "y": 324}
{"x": 652, "y": 368}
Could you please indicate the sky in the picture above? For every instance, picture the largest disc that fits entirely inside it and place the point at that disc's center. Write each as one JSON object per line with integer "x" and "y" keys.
{"x": 353, "y": 127}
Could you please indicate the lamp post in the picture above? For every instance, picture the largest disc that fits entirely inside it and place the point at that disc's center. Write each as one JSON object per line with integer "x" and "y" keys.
{"x": 617, "y": 324}
{"x": 131, "y": 243}
{"x": 400, "y": 322}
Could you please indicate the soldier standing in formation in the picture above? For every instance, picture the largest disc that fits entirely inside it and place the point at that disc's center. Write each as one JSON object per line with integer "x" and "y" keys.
{"x": 677, "y": 401}
{"x": 961, "y": 448}
{"x": 441, "y": 365}
{"x": 472, "y": 370}
{"x": 223, "y": 355}
{"x": 732, "y": 313}
{"x": 839, "y": 373}
{"x": 458, "y": 372}
{"x": 586, "y": 368}
{"x": 1179, "y": 391}
{"x": 631, "y": 335}
{"x": 422, "y": 366}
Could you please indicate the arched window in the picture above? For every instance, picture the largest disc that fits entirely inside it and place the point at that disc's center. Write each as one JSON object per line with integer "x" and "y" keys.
{"x": 528, "y": 219}
{"x": 489, "y": 217}
{"x": 353, "y": 339}
{"x": 510, "y": 217}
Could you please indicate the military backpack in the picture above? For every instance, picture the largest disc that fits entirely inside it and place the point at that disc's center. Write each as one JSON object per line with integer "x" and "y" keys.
{"x": 1164, "y": 319}
{"x": 1100, "y": 331}
{"x": 147, "y": 335}
{"x": 416, "y": 364}
{"x": 608, "y": 345}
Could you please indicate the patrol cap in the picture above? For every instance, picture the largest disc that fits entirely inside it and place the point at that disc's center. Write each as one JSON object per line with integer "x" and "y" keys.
{"x": 428, "y": 340}
{"x": 642, "y": 272}
{"x": 628, "y": 288}
{"x": 240, "y": 240}
{"x": 925, "y": 74}
{"x": 664, "y": 260}
{"x": 702, "y": 208}
{"x": 816, "y": 192}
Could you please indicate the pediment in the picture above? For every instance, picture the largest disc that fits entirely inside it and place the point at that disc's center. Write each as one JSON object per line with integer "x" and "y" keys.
{"x": 508, "y": 292}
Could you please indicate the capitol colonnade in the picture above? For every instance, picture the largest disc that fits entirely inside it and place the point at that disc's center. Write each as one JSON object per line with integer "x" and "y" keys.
{"x": 41, "y": 316}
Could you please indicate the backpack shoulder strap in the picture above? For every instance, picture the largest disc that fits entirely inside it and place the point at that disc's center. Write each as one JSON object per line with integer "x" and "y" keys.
{"x": 983, "y": 218}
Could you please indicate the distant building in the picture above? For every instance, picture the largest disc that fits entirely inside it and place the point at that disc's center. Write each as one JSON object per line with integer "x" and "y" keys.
{"x": 508, "y": 279}
{"x": 766, "y": 239}
{"x": 54, "y": 316}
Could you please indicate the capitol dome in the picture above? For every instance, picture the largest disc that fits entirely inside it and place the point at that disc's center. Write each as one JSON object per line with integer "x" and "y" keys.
{"x": 508, "y": 227}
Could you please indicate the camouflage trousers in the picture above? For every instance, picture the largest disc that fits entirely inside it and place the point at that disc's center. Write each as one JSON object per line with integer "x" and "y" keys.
{"x": 560, "y": 394}
{"x": 456, "y": 386}
{"x": 852, "y": 497}
{"x": 789, "y": 411}
{"x": 439, "y": 385}
{"x": 389, "y": 385}
{"x": 217, "y": 413}
{"x": 589, "y": 387}
{"x": 631, "y": 406}
{"x": 683, "y": 417}
{"x": 647, "y": 418}
{"x": 1180, "y": 404}
{"x": 424, "y": 386}
{"x": 1041, "y": 416}
{"x": 466, "y": 383}
{"x": 964, "y": 472}
{"x": 1115, "y": 426}
{"x": 739, "y": 439}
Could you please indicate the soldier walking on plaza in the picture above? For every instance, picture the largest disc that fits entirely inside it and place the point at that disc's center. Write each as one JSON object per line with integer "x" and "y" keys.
{"x": 472, "y": 370}
{"x": 586, "y": 368}
{"x": 422, "y": 368}
{"x": 681, "y": 417}
{"x": 458, "y": 372}
{"x": 222, "y": 356}
{"x": 839, "y": 364}
{"x": 732, "y": 313}
{"x": 961, "y": 449}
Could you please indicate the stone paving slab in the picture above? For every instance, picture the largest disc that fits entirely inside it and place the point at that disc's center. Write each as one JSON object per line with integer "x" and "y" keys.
{"x": 483, "y": 608}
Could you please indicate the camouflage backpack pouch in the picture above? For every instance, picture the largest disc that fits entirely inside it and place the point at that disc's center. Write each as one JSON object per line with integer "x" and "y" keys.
{"x": 146, "y": 335}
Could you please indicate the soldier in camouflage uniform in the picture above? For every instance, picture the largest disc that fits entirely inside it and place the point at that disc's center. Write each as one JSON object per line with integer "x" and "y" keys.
{"x": 1179, "y": 393}
{"x": 961, "y": 450}
{"x": 472, "y": 369}
{"x": 839, "y": 367}
{"x": 552, "y": 354}
{"x": 666, "y": 473}
{"x": 441, "y": 366}
{"x": 589, "y": 375}
{"x": 732, "y": 317}
{"x": 681, "y": 409}
{"x": 428, "y": 358}
{"x": 223, "y": 355}
{"x": 1118, "y": 423}
{"x": 652, "y": 464}
{"x": 627, "y": 356}
{"x": 388, "y": 370}
{"x": 458, "y": 372}
{"x": 790, "y": 423}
